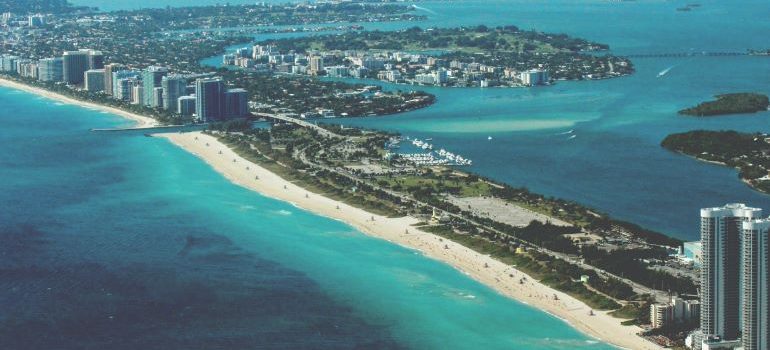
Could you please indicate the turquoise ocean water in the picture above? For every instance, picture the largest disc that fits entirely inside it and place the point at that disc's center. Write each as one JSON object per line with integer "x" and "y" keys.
{"x": 129, "y": 242}
{"x": 126, "y": 242}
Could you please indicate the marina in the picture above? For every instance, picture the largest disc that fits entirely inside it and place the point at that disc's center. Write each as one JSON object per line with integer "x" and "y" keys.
{"x": 431, "y": 157}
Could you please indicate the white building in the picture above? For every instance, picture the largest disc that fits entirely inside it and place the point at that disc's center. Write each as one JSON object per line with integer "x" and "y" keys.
{"x": 534, "y": 77}
{"x": 720, "y": 236}
{"x": 754, "y": 256}
{"x": 425, "y": 79}
{"x": 337, "y": 71}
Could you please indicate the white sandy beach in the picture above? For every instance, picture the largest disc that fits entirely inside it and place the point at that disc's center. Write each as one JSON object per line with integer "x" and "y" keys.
{"x": 141, "y": 121}
{"x": 400, "y": 231}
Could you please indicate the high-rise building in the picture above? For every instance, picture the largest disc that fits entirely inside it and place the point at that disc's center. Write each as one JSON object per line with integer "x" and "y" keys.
{"x": 441, "y": 76}
{"x": 9, "y": 63}
{"x": 95, "y": 59}
{"x": 236, "y": 103}
{"x": 151, "y": 78}
{"x": 75, "y": 64}
{"x": 174, "y": 87}
{"x": 51, "y": 69}
{"x": 26, "y": 68}
{"x": 755, "y": 273}
{"x": 108, "y": 78}
{"x": 720, "y": 278}
{"x": 316, "y": 64}
{"x": 122, "y": 91}
{"x": 157, "y": 97}
{"x": 137, "y": 93}
{"x": 94, "y": 80}
{"x": 337, "y": 71}
{"x": 209, "y": 104}
{"x": 36, "y": 21}
{"x": 7, "y": 17}
{"x": 186, "y": 105}
{"x": 534, "y": 77}
{"x": 124, "y": 87}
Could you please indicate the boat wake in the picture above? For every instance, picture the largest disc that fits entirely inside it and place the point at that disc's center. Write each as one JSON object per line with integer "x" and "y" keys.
{"x": 566, "y": 132}
{"x": 665, "y": 71}
{"x": 572, "y": 137}
{"x": 424, "y": 9}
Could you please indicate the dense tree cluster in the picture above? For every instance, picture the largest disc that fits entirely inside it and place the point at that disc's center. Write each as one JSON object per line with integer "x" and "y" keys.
{"x": 507, "y": 38}
{"x": 730, "y": 104}
{"x": 750, "y": 153}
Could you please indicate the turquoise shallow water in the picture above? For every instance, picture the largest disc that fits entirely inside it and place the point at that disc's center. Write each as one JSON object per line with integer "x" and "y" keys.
{"x": 125, "y": 242}
{"x": 614, "y": 163}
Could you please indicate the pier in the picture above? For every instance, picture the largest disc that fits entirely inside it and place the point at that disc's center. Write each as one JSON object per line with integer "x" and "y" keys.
{"x": 154, "y": 129}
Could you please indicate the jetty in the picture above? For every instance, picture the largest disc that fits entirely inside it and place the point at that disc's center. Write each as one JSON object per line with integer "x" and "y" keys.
{"x": 153, "y": 129}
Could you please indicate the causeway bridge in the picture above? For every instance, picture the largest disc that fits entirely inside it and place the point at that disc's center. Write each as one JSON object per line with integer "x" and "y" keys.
{"x": 691, "y": 54}
{"x": 300, "y": 122}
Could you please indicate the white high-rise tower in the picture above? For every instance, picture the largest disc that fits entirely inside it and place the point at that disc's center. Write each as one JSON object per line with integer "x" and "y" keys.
{"x": 721, "y": 230}
{"x": 754, "y": 251}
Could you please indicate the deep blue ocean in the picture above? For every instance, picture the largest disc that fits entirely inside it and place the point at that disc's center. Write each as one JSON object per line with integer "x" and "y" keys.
{"x": 125, "y": 242}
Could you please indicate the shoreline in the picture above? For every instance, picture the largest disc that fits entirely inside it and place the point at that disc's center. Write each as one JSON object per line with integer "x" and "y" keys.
{"x": 497, "y": 275}
{"x": 745, "y": 181}
{"x": 141, "y": 121}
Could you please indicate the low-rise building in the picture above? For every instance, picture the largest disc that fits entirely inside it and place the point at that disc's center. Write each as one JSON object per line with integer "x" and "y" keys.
{"x": 675, "y": 311}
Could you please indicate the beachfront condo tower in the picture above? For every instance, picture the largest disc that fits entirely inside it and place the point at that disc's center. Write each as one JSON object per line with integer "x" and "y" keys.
{"x": 174, "y": 87}
{"x": 75, "y": 65}
{"x": 95, "y": 59}
{"x": 720, "y": 238}
{"x": 186, "y": 105}
{"x": 50, "y": 69}
{"x": 754, "y": 251}
{"x": 209, "y": 104}
{"x": 123, "y": 81}
{"x": 94, "y": 80}
{"x": 236, "y": 103}
{"x": 109, "y": 86}
{"x": 152, "y": 78}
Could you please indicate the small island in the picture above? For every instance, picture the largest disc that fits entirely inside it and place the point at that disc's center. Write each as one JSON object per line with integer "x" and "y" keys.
{"x": 747, "y": 152}
{"x": 736, "y": 103}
